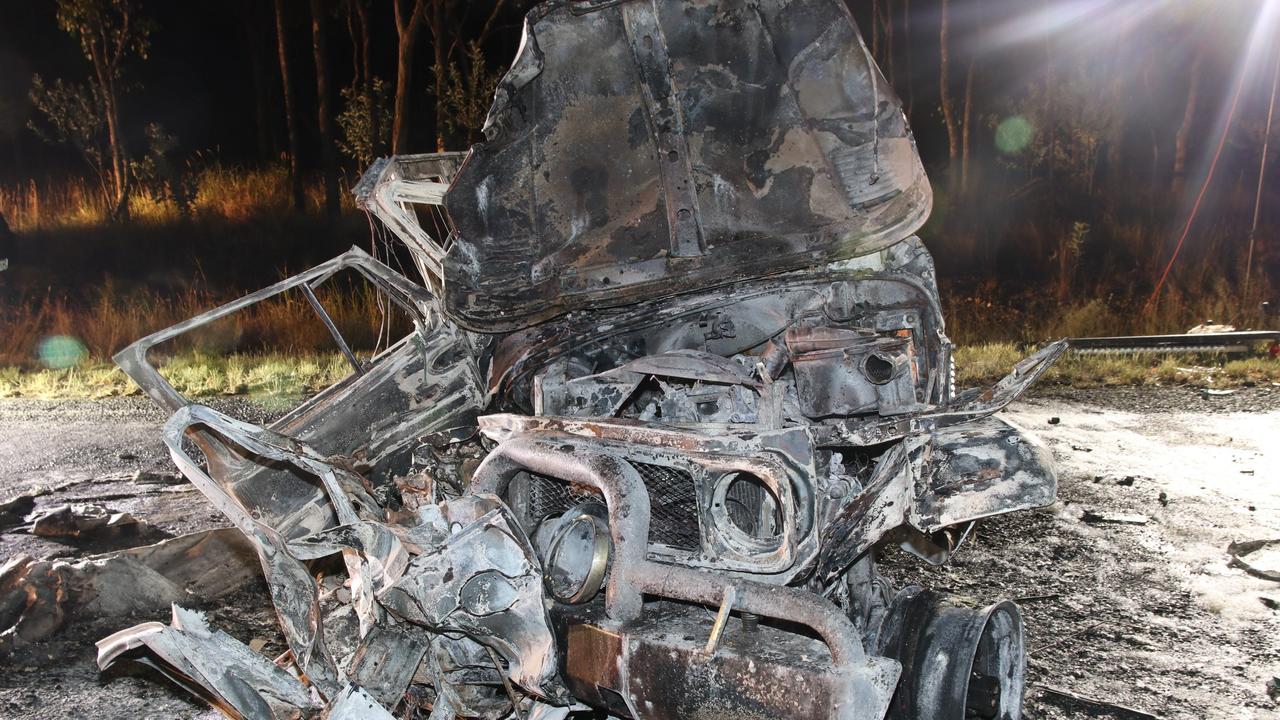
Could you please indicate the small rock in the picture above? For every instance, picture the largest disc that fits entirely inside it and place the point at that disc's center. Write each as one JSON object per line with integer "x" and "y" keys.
{"x": 1270, "y": 602}
{"x": 1126, "y": 481}
{"x": 1273, "y": 689}
{"x": 126, "y": 455}
{"x": 1164, "y": 499}
{"x": 1081, "y": 448}
{"x": 257, "y": 644}
{"x": 1055, "y": 420}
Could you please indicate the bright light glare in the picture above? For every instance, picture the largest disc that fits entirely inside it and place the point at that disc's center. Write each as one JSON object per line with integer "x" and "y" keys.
{"x": 1075, "y": 23}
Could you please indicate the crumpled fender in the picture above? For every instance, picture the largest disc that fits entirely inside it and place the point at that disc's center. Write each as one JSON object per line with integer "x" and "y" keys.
{"x": 979, "y": 469}
{"x": 933, "y": 481}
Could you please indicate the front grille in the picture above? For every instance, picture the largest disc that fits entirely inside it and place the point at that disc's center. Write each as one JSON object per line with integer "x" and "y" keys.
{"x": 673, "y": 506}
{"x": 549, "y": 496}
{"x": 673, "y": 503}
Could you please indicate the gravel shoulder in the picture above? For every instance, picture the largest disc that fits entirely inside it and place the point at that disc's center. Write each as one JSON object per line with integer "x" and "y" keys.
{"x": 1148, "y": 616}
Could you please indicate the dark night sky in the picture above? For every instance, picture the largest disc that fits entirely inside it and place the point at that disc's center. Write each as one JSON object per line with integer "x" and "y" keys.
{"x": 196, "y": 83}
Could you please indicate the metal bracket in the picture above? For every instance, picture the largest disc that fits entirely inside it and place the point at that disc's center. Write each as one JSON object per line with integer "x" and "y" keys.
{"x": 722, "y": 619}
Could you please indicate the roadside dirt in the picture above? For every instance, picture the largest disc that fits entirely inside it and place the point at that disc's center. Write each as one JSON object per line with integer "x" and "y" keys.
{"x": 1144, "y": 616}
{"x": 1148, "y": 617}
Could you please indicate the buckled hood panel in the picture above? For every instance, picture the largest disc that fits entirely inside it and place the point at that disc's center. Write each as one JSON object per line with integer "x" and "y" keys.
{"x": 645, "y": 148}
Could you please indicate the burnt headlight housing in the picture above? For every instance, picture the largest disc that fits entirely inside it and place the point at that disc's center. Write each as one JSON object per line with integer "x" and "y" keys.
{"x": 748, "y": 513}
{"x": 750, "y": 520}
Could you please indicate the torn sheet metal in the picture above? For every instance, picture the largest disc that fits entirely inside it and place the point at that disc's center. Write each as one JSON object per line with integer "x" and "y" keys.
{"x": 36, "y": 596}
{"x": 353, "y": 703}
{"x": 238, "y": 681}
{"x": 980, "y": 469}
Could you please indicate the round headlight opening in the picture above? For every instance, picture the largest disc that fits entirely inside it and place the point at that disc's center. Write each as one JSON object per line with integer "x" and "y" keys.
{"x": 752, "y": 508}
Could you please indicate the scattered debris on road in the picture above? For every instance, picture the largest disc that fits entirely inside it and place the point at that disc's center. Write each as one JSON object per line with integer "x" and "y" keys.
{"x": 88, "y": 522}
{"x": 158, "y": 477}
{"x": 1267, "y": 569}
{"x": 15, "y": 510}
{"x": 1094, "y": 708}
{"x": 38, "y": 596}
{"x": 1098, "y": 518}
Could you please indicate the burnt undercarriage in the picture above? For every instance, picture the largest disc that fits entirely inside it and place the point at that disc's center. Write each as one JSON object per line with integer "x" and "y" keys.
{"x": 677, "y": 373}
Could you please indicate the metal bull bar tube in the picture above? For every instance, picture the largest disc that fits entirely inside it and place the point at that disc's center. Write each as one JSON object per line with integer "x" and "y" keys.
{"x": 633, "y": 575}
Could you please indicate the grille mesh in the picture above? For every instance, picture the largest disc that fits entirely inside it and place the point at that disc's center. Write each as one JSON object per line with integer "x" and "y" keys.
{"x": 672, "y": 499}
{"x": 673, "y": 506}
{"x": 548, "y": 496}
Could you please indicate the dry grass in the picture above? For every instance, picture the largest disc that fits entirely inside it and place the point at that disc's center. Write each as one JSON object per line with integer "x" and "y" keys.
{"x": 283, "y": 325}
{"x": 986, "y": 363}
{"x": 194, "y": 375}
{"x": 974, "y": 320}
{"x": 220, "y": 192}
{"x": 269, "y": 346}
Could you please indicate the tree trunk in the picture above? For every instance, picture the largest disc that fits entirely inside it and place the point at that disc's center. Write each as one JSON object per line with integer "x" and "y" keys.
{"x": 438, "y": 46}
{"x": 118, "y": 176}
{"x": 887, "y": 62}
{"x": 944, "y": 93}
{"x": 906, "y": 39}
{"x": 407, "y": 26}
{"x": 366, "y": 78}
{"x": 965, "y": 128}
{"x": 875, "y": 29}
{"x": 328, "y": 151}
{"x": 261, "y": 92}
{"x": 1188, "y": 123}
{"x": 1050, "y": 93}
{"x": 1119, "y": 90}
{"x": 119, "y": 159}
{"x": 290, "y": 110}
{"x": 106, "y": 65}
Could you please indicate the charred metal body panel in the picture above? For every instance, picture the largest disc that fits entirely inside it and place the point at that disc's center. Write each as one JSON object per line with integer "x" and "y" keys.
{"x": 678, "y": 371}
{"x": 708, "y": 142}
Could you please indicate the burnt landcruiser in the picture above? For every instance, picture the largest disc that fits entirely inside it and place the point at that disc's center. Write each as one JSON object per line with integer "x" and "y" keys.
{"x": 677, "y": 372}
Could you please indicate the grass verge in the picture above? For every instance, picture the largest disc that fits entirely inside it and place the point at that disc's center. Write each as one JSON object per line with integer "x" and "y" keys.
{"x": 193, "y": 375}
{"x": 987, "y": 363}
{"x": 280, "y": 376}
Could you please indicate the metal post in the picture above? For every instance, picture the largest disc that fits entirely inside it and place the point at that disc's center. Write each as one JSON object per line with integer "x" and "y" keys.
{"x": 333, "y": 329}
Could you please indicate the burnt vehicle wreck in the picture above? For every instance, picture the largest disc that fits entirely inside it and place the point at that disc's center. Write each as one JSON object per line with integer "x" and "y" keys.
{"x": 678, "y": 371}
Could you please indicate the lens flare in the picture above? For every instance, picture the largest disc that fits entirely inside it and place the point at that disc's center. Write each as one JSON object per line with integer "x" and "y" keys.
{"x": 59, "y": 352}
{"x": 1014, "y": 134}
